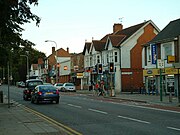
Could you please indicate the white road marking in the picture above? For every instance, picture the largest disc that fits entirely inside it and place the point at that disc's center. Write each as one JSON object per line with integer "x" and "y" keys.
{"x": 98, "y": 111}
{"x": 128, "y": 118}
{"x": 74, "y": 105}
{"x": 173, "y": 128}
{"x": 145, "y": 107}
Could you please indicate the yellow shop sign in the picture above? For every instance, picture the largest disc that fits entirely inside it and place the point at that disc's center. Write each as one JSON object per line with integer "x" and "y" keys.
{"x": 150, "y": 72}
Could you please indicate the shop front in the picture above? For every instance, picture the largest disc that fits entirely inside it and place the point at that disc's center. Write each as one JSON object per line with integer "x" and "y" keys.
{"x": 152, "y": 81}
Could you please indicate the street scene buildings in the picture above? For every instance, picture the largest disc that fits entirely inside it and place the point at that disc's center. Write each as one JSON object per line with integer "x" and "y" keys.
{"x": 127, "y": 60}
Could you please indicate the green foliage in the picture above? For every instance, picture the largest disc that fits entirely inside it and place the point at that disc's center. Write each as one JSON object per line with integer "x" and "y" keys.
{"x": 14, "y": 14}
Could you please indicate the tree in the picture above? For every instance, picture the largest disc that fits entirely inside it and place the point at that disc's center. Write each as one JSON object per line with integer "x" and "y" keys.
{"x": 15, "y": 13}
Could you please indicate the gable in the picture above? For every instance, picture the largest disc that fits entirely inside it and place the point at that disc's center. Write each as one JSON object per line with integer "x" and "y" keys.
{"x": 171, "y": 31}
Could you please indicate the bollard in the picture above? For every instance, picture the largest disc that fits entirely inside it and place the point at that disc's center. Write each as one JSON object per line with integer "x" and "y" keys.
{"x": 1, "y": 96}
{"x": 170, "y": 95}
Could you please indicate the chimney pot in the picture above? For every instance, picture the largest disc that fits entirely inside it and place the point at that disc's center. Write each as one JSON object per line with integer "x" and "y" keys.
{"x": 117, "y": 27}
{"x": 53, "y": 50}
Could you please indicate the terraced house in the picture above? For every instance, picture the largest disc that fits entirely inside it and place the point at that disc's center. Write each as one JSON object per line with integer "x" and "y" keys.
{"x": 165, "y": 47}
{"x": 122, "y": 52}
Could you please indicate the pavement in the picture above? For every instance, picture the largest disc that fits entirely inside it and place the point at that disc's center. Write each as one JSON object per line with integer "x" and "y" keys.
{"x": 167, "y": 103}
{"x": 16, "y": 119}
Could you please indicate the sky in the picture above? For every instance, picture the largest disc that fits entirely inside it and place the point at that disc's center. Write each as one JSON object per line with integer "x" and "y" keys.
{"x": 69, "y": 23}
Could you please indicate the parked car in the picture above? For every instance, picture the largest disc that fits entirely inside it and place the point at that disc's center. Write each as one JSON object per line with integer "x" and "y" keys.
{"x": 29, "y": 86}
{"x": 58, "y": 85}
{"x": 45, "y": 93}
{"x": 68, "y": 87}
{"x": 21, "y": 84}
{"x": 47, "y": 84}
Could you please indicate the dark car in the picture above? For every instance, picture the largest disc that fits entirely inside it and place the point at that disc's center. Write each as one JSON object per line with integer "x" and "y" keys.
{"x": 29, "y": 86}
{"x": 45, "y": 93}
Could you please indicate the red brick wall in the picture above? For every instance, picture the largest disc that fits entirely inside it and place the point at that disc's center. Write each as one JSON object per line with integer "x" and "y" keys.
{"x": 135, "y": 81}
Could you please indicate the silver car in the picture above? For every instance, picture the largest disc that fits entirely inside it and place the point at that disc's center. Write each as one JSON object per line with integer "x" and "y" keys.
{"x": 58, "y": 86}
{"x": 68, "y": 87}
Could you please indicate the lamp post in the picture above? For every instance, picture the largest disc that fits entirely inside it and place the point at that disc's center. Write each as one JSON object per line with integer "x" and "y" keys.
{"x": 27, "y": 65}
{"x": 55, "y": 58}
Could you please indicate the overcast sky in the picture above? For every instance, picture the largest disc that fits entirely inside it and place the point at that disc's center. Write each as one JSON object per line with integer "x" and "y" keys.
{"x": 70, "y": 22}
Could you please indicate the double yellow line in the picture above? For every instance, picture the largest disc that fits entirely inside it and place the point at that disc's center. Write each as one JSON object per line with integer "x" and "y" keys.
{"x": 66, "y": 129}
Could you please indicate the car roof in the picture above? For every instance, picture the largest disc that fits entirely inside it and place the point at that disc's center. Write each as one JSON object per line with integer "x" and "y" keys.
{"x": 49, "y": 85}
{"x": 34, "y": 80}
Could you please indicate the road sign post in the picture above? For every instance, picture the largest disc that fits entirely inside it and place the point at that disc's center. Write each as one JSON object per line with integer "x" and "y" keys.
{"x": 160, "y": 65}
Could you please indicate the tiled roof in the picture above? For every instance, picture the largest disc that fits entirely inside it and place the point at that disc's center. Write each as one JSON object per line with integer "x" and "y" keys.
{"x": 87, "y": 46}
{"x": 171, "y": 31}
{"x": 99, "y": 45}
{"x": 105, "y": 37}
{"x": 130, "y": 30}
{"x": 62, "y": 53}
{"x": 116, "y": 39}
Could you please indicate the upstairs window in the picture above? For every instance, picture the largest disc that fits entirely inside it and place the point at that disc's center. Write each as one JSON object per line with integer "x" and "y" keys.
{"x": 115, "y": 57}
{"x": 98, "y": 59}
{"x": 167, "y": 50}
{"x": 107, "y": 58}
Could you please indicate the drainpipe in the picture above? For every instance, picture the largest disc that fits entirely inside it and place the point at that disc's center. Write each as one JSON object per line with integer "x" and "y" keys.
{"x": 120, "y": 68}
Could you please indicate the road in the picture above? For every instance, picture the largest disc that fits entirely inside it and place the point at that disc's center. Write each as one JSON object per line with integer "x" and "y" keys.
{"x": 94, "y": 117}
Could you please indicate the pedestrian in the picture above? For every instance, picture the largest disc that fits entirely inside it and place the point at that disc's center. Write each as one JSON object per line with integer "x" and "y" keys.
{"x": 100, "y": 89}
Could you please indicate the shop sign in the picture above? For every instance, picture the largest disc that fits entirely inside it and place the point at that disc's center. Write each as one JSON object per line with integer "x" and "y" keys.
{"x": 153, "y": 54}
{"x": 171, "y": 71}
{"x": 170, "y": 59}
{"x": 150, "y": 72}
{"x": 79, "y": 75}
{"x": 160, "y": 63}
{"x": 126, "y": 73}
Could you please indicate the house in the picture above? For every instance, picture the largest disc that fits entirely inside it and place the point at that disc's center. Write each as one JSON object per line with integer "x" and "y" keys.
{"x": 38, "y": 70}
{"x": 163, "y": 48}
{"x": 77, "y": 69}
{"x": 123, "y": 48}
{"x": 53, "y": 64}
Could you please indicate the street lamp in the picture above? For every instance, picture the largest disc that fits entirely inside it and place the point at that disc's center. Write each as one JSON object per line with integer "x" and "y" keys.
{"x": 55, "y": 58}
{"x": 27, "y": 65}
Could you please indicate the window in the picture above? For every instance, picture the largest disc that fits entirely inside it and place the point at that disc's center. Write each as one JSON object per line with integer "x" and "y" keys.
{"x": 149, "y": 53}
{"x": 98, "y": 59}
{"x": 107, "y": 56}
{"x": 90, "y": 59}
{"x": 115, "y": 57}
{"x": 167, "y": 50}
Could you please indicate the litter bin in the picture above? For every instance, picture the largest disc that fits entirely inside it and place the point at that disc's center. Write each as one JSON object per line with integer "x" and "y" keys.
{"x": 1, "y": 96}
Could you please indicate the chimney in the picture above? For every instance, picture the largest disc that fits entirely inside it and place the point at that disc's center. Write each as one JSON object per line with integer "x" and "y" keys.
{"x": 117, "y": 27}
{"x": 40, "y": 61}
{"x": 53, "y": 50}
{"x": 68, "y": 49}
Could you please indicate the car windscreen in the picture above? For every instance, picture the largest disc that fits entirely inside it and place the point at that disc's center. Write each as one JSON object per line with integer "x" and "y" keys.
{"x": 47, "y": 88}
{"x": 34, "y": 83}
{"x": 69, "y": 84}
{"x": 59, "y": 84}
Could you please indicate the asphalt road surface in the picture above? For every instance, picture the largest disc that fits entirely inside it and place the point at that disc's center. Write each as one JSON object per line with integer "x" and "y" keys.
{"x": 90, "y": 116}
